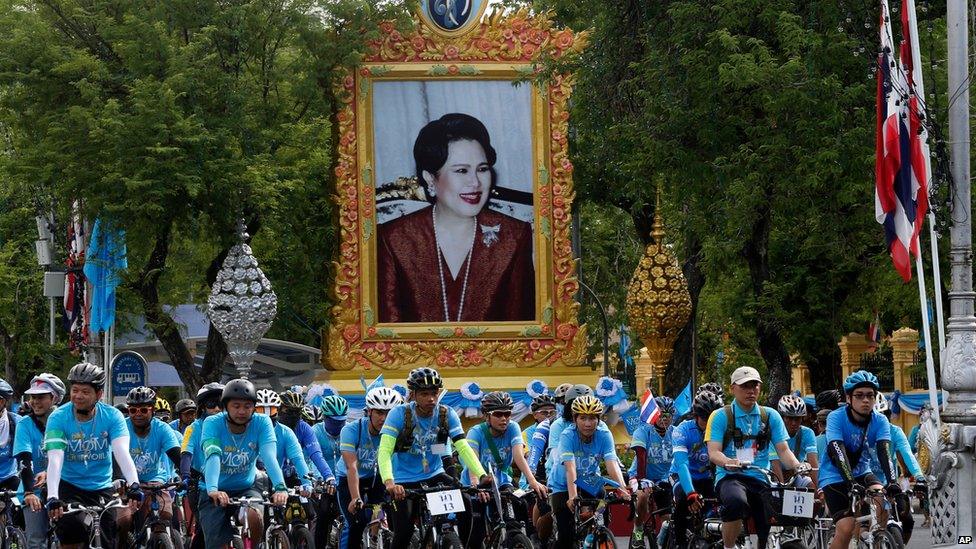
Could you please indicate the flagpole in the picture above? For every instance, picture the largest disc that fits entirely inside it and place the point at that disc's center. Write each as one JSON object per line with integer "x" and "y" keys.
{"x": 919, "y": 87}
{"x": 929, "y": 363}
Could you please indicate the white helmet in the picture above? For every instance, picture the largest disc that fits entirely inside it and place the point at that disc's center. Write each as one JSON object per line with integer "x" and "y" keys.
{"x": 47, "y": 383}
{"x": 792, "y": 406}
{"x": 383, "y": 398}
{"x": 267, "y": 397}
{"x": 881, "y": 404}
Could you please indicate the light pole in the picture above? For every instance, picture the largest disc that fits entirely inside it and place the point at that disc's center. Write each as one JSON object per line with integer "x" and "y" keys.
{"x": 606, "y": 327}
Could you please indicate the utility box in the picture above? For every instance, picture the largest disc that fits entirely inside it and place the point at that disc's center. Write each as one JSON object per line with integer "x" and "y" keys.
{"x": 54, "y": 284}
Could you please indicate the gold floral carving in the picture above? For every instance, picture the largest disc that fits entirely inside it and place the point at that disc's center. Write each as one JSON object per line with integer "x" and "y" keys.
{"x": 511, "y": 45}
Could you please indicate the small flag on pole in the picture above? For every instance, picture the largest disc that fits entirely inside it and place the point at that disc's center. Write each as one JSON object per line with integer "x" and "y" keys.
{"x": 649, "y": 409}
{"x": 874, "y": 329}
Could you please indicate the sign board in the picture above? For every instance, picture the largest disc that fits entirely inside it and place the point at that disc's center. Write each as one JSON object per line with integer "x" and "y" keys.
{"x": 129, "y": 370}
{"x": 797, "y": 504}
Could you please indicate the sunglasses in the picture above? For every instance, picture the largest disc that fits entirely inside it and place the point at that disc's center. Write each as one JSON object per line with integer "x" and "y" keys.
{"x": 140, "y": 409}
{"x": 547, "y": 413}
{"x": 863, "y": 396}
{"x": 210, "y": 404}
{"x": 500, "y": 414}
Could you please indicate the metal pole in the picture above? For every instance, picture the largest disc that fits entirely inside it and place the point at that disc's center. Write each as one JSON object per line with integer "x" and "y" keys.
{"x": 606, "y": 328}
{"x": 51, "y": 319}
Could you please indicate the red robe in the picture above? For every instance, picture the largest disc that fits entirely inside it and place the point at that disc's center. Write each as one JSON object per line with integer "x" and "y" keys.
{"x": 501, "y": 283}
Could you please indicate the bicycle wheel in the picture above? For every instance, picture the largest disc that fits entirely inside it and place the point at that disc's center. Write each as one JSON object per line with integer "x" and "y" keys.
{"x": 451, "y": 541}
{"x": 891, "y": 539}
{"x": 278, "y": 539}
{"x": 301, "y": 538}
{"x": 159, "y": 540}
{"x": 518, "y": 540}
{"x": 237, "y": 543}
{"x": 16, "y": 539}
{"x": 603, "y": 539}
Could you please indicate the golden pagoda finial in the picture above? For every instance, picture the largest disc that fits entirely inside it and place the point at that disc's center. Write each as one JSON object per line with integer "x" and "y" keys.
{"x": 658, "y": 302}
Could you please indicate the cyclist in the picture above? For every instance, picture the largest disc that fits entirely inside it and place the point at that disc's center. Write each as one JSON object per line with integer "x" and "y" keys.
{"x": 582, "y": 446}
{"x": 290, "y": 456}
{"x": 358, "y": 483}
{"x": 802, "y": 441}
{"x": 191, "y": 456}
{"x": 186, "y": 412}
{"x": 155, "y": 450}
{"x": 850, "y": 431}
{"x": 497, "y": 440}
{"x": 690, "y": 468}
{"x": 233, "y": 440}
{"x": 901, "y": 452}
{"x": 739, "y": 435}
{"x": 652, "y": 463}
{"x": 162, "y": 409}
{"x": 292, "y": 404}
{"x": 559, "y": 395}
{"x": 335, "y": 410}
{"x": 81, "y": 439}
{"x": 543, "y": 408}
{"x": 44, "y": 394}
{"x": 8, "y": 430}
{"x": 417, "y": 433}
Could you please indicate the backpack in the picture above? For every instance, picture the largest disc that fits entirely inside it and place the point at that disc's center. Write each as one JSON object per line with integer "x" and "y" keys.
{"x": 404, "y": 439}
{"x": 736, "y": 435}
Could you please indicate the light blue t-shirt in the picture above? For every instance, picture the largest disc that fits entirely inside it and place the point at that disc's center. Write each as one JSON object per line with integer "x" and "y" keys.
{"x": 527, "y": 435}
{"x": 149, "y": 454}
{"x": 821, "y": 444}
{"x": 194, "y": 445}
{"x": 355, "y": 438}
{"x": 587, "y": 455}
{"x": 899, "y": 447}
{"x": 329, "y": 444}
{"x": 8, "y": 463}
{"x": 658, "y": 452}
{"x": 750, "y": 423}
{"x": 238, "y": 453}
{"x": 290, "y": 455}
{"x": 30, "y": 439}
{"x": 509, "y": 441}
{"x": 87, "y": 445}
{"x": 802, "y": 443}
{"x": 841, "y": 428}
{"x": 421, "y": 461}
{"x": 688, "y": 439}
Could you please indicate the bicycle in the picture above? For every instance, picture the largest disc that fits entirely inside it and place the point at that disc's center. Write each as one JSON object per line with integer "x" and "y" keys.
{"x": 591, "y": 530}
{"x": 435, "y": 525}
{"x": 13, "y": 536}
{"x": 95, "y": 515}
{"x": 644, "y": 537}
{"x": 154, "y": 532}
{"x": 377, "y": 534}
{"x": 505, "y": 529}
{"x": 293, "y": 517}
{"x": 695, "y": 537}
{"x": 275, "y": 536}
{"x": 878, "y": 529}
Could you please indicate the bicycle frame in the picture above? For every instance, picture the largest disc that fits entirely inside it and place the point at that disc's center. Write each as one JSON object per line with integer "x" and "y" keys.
{"x": 878, "y": 511}
{"x": 153, "y": 520}
{"x": 240, "y": 519}
{"x": 97, "y": 513}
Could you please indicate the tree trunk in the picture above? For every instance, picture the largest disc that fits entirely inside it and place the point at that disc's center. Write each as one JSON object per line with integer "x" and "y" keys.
{"x": 824, "y": 371}
{"x": 161, "y": 323}
{"x": 768, "y": 336}
{"x": 679, "y": 371}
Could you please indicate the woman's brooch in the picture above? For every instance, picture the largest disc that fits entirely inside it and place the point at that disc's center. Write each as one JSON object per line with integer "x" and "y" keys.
{"x": 489, "y": 234}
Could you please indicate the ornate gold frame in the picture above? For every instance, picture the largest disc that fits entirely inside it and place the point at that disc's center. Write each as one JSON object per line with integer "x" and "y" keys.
{"x": 500, "y": 47}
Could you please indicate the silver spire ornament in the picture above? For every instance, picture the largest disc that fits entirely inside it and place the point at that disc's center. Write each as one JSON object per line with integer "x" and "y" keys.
{"x": 242, "y": 304}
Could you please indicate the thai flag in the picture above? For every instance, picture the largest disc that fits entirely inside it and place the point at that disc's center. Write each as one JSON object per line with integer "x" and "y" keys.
{"x": 900, "y": 181}
{"x": 649, "y": 410}
{"x": 874, "y": 329}
{"x": 75, "y": 288}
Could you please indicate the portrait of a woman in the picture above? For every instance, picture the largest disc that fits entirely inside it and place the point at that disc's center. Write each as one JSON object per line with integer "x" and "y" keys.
{"x": 455, "y": 261}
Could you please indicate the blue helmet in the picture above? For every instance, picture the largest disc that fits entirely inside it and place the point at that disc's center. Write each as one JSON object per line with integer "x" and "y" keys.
{"x": 861, "y": 378}
{"x": 665, "y": 404}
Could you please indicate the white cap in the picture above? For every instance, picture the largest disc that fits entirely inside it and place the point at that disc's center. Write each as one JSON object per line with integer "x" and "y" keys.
{"x": 745, "y": 374}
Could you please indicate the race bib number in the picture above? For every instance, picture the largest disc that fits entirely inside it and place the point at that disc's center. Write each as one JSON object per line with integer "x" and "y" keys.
{"x": 442, "y": 503}
{"x": 745, "y": 455}
{"x": 798, "y": 504}
{"x": 519, "y": 493}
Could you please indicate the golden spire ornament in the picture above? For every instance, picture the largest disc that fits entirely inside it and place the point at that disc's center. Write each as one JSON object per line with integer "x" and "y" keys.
{"x": 658, "y": 303}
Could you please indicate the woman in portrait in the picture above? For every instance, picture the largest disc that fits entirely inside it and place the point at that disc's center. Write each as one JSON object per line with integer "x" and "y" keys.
{"x": 456, "y": 261}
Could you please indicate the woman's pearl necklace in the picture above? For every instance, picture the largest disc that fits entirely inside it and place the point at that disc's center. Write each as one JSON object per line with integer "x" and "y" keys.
{"x": 440, "y": 268}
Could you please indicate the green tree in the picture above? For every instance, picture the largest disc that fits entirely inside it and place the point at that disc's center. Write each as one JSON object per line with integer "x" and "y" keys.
{"x": 174, "y": 119}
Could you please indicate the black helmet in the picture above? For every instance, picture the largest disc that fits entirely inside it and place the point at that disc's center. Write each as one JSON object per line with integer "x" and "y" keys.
{"x": 86, "y": 372}
{"x": 542, "y": 401}
{"x": 705, "y": 403}
{"x": 828, "y": 400}
{"x": 184, "y": 404}
{"x": 140, "y": 395}
{"x": 711, "y": 387}
{"x": 210, "y": 391}
{"x": 424, "y": 378}
{"x": 497, "y": 400}
{"x": 239, "y": 389}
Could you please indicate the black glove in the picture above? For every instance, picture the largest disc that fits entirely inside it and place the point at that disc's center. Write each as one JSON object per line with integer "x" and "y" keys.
{"x": 52, "y": 504}
{"x": 893, "y": 489}
{"x": 135, "y": 492}
{"x": 921, "y": 489}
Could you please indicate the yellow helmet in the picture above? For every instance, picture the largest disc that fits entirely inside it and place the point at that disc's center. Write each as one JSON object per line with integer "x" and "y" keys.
{"x": 162, "y": 405}
{"x": 587, "y": 405}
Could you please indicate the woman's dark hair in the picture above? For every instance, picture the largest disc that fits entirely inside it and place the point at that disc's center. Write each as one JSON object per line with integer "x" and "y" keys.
{"x": 431, "y": 147}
